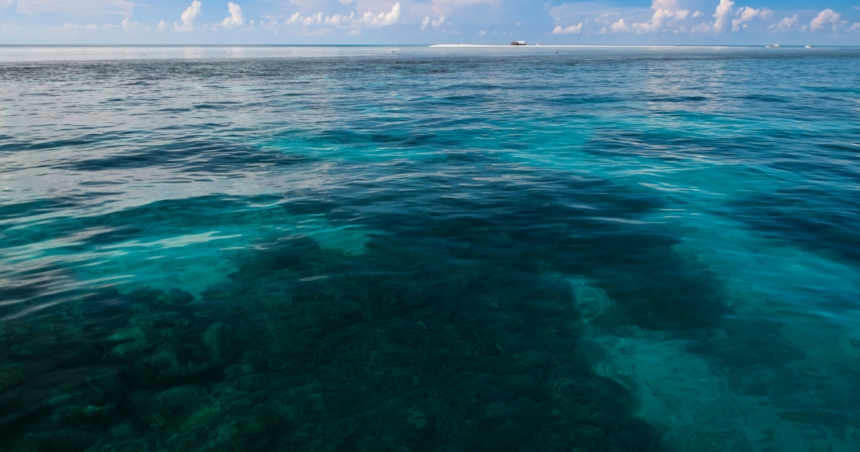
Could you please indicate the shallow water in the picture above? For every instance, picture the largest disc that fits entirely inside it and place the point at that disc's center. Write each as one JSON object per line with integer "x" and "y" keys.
{"x": 414, "y": 249}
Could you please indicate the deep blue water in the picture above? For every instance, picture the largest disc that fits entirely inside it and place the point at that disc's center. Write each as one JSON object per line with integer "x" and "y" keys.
{"x": 351, "y": 249}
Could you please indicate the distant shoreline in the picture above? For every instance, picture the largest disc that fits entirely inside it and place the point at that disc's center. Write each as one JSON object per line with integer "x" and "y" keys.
{"x": 589, "y": 46}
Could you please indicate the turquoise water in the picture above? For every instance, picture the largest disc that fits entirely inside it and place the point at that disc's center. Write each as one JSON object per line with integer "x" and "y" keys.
{"x": 415, "y": 249}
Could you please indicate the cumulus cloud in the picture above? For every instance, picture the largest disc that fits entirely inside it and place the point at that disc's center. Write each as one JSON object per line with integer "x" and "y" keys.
{"x": 188, "y": 16}
{"x": 236, "y": 18}
{"x": 299, "y": 19}
{"x": 351, "y": 21}
{"x": 437, "y": 24}
{"x": 338, "y": 19}
{"x": 162, "y": 25}
{"x": 698, "y": 14}
{"x": 855, "y": 27}
{"x": 664, "y": 10}
{"x": 127, "y": 24}
{"x": 784, "y": 25}
{"x": 824, "y": 18}
{"x": 425, "y": 22}
{"x": 620, "y": 26}
{"x": 722, "y": 15}
{"x": 748, "y": 14}
{"x": 382, "y": 19}
{"x": 318, "y": 19}
{"x": 573, "y": 29}
{"x": 656, "y": 23}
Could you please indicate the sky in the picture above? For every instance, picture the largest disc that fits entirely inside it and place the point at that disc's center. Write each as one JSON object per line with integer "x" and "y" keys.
{"x": 672, "y": 22}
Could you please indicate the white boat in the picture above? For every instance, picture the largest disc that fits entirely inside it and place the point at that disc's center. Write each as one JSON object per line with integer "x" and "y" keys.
{"x": 772, "y": 46}
{"x": 518, "y": 43}
{"x": 808, "y": 47}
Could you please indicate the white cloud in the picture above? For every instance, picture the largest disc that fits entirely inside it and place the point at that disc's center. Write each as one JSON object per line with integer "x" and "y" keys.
{"x": 784, "y": 25}
{"x": 598, "y": 15}
{"x": 698, "y": 14}
{"x": 191, "y": 12}
{"x": 437, "y": 24}
{"x": 855, "y": 27}
{"x": 236, "y": 18}
{"x": 603, "y": 31}
{"x": 826, "y": 17}
{"x": 343, "y": 21}
{"x": 620, "y": 26}
{"x": 162, "y": 25}
{"x": 299, "y": 19}
{"x": 318, "y": 18}
{"x": 339, "y": 20}
{"x": 664, "y": 10}
{"x": 573, "y": 29}
{"x": 656, "y": 23}
{"x": 188, "y": 16}
{"x": 724, "y": 11}
{"x": 127, "y": 24}
{"x": 382, "y": 19}
{"x": 483, "y": 32}
{"x": 747, "y": 14}
{"x": 69, "y": 26}
{"x": 78, "y": 7}
{"x": 425, "y": 22}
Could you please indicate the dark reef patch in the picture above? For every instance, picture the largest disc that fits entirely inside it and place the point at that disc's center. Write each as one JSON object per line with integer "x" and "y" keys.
{"x": 456, "y": 330}
{"x": 789, "y": 215}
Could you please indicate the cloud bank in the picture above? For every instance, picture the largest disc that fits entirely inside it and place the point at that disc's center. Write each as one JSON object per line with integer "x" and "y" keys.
{"x": 670, "y": 17}
{"x": 579, "y": 21}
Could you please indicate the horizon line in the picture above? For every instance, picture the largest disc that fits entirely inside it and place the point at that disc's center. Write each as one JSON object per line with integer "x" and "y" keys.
{"x": 414, "y": 45}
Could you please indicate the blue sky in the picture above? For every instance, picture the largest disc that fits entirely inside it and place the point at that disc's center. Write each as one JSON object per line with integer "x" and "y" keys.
{"x": 429, "y": 21}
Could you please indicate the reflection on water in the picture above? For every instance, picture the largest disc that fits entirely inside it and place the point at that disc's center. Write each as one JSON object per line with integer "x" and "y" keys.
{"x": 436, "y": 250}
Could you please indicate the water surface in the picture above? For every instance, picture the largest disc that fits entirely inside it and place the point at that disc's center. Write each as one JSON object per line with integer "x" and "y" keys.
{"x": 415, "y": 249}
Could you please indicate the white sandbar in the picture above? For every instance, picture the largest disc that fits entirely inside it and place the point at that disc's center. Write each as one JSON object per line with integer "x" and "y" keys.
{"x": 551, "y": 45}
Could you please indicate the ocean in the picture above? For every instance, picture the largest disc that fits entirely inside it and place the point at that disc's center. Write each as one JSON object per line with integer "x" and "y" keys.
{"x": 429, "y": 249}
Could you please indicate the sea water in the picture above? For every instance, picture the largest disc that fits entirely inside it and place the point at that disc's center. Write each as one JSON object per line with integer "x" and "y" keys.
{"x": 422, "y": 249}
